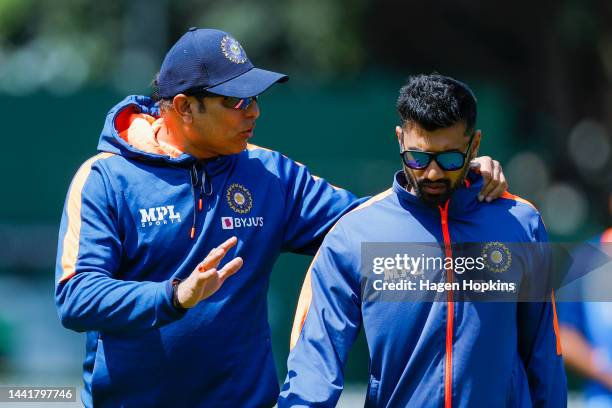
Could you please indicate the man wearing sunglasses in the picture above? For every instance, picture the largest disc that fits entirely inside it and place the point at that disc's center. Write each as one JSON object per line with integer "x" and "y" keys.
{"x": 167, "y": 211}
{"x": 430, "y": 348}
{"x": 449, "y": 171}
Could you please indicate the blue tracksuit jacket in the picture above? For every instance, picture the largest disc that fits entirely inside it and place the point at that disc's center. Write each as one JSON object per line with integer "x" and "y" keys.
{"x": 426, "y": 354}
{"x": 133, "y": 221}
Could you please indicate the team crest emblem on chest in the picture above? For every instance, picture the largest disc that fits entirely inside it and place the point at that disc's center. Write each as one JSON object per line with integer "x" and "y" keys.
{"x": 239, "y": 198}
{"x": 232, "y": 50}
{"x": 497, "y": 257}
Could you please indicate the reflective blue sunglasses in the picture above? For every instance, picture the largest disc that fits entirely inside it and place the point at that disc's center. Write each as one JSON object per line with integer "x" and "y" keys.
{"x": 449, "y": 160}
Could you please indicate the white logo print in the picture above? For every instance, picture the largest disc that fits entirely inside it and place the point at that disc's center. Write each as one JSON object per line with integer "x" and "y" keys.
{"x": 159, "y": 216}
{"x": 241, "y": 222}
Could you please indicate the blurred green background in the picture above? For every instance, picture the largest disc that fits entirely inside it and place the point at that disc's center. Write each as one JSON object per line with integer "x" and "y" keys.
{"x": 542, "y": 73}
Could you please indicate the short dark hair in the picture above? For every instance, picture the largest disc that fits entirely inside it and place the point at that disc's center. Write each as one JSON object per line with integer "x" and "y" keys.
{"x": 165, "y": 104}
{"x": 436, "y": 101}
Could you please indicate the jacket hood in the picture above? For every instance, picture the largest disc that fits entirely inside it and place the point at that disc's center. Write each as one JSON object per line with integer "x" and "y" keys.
{"x": 130, "y": 130}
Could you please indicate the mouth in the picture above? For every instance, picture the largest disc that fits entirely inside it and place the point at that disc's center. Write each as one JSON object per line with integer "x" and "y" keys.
{"x": 247, "y": 133}
{"x": 434, "y": 188}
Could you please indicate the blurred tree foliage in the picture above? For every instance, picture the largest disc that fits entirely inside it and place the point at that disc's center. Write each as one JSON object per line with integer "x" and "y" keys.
{"x": 553, "y": 57}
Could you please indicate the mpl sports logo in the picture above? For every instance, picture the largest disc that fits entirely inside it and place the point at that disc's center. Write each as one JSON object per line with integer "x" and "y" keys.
{"x": 159, "y": 216}
{"x": 228, "y": 223}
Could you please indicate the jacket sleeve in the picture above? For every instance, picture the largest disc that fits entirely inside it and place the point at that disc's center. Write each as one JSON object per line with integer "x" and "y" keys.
{"x": 313, "y": 207}
{"x": 88, "y": 294}
{"x": 538, "y": 337}
{"x": 330, "y": 309}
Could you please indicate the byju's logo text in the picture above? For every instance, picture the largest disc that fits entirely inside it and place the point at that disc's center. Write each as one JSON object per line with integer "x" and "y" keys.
{"x": 241, "y": 222}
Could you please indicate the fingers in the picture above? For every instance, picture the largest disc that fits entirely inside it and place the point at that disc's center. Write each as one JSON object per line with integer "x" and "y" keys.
{"x": 497, "y": 192}
{"x": 212, "y": 260}
{"x": 230, "y": 268}
{"x": 485, "y": 192}
{"x": 490, "y": 170}
{"x": 206, "y": 274}
{"x": 496, "y": 171}
{"x": 496, "y": 184}
{"x": 502, "y": 184}
{"x": 216, "y": 255}
{"x": 228, "y": 244}
{"x": 483, "y": 165}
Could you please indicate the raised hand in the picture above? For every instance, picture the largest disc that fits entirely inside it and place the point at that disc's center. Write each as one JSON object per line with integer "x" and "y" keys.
{"x": 205, "y": 279}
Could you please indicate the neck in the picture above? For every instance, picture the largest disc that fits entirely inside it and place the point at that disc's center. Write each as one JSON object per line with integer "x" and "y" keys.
{"x": 171, "y": 135}
{"x": 176, "y": 136}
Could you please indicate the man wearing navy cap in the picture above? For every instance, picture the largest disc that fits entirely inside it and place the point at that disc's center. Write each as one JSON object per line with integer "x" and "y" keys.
{"x": 174, "y": 178}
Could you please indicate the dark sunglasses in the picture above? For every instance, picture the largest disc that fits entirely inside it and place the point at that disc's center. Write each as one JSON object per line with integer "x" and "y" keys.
{"x": 230, "y": 102}
{"x": 449, "y": 160}
{"x": 238, "y": 103}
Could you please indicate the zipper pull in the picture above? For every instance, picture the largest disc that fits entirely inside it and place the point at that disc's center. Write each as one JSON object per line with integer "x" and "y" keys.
{"x": 194, "y": 183}
{"x": 194, "y": 176}
{"x": 206, "y": 184}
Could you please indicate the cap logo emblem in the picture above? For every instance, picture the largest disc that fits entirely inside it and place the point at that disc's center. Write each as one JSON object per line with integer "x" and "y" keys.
{"x": 232, "y": 50}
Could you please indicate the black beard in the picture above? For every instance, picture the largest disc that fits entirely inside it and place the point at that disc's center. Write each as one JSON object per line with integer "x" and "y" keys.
{"x": 431, "y": 200}
{"x": 434, "y": 200}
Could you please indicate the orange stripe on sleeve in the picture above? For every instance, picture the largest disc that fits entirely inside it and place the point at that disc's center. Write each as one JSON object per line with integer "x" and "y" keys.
{"x": 317, "y": 178}
{"x": 556, "y": 324}
{"x": 509, "y": 196}
{"x": 607, "y": 235}
{"x": 305, "y": 298}
{"x": 377, "y": 197}
{"x": 70, "y": 250}
{"x": 251, "y": 146}
{"x": 303, "y": 306}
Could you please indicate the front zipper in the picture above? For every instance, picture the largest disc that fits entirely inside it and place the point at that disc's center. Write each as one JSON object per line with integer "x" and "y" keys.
{"x": 194, "y": 179}
{"x": 206, "y": 189}
{"x": 448, "y": 366}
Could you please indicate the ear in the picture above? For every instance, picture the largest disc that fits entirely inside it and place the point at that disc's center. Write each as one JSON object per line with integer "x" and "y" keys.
{"x": 182, "y": 106}
{"x": 399, "y": 134}
{"x": 476, "y": 144}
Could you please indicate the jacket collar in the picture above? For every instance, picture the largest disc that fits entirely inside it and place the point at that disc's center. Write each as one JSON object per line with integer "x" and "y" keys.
{"x": 463, "y": 200}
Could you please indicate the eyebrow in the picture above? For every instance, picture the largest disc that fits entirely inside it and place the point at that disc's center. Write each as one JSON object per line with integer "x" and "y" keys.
{"x": 433, "y": 151}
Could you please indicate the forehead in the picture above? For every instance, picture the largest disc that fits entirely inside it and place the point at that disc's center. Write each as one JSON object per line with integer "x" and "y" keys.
{"x": 449, "y": 138}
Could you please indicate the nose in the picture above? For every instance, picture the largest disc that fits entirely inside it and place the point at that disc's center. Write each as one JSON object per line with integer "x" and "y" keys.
{"x": 433, "y": 172}
{"x": 252, "y": 111}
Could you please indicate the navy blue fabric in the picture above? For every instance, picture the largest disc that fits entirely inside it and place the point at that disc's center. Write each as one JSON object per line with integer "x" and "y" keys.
{"x": 504, "y": 353}
{"x": 212, "y": 60}
{"x": 133, "y": 234}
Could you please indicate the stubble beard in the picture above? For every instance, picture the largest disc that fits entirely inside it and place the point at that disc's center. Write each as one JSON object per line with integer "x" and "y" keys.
{"x": 433, "y": 200}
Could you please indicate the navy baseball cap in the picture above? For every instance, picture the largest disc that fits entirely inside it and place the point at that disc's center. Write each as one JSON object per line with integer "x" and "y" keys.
{"x": 212, "y": 60}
